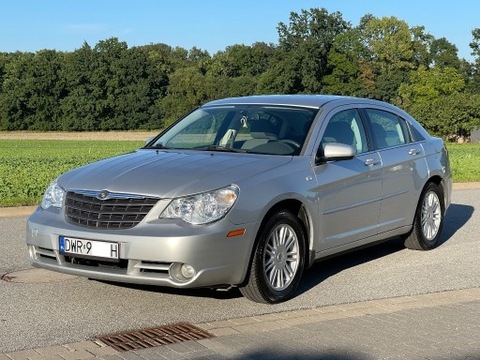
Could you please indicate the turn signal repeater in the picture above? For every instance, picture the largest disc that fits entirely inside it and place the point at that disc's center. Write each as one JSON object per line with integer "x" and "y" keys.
{"x": 238, "y": 232}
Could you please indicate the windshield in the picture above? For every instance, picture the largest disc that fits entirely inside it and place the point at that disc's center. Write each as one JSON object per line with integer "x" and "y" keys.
{"x": 274, "y": 130}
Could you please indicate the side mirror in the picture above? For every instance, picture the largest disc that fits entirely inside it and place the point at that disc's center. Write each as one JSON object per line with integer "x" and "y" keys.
{"x": 334, "y": 152}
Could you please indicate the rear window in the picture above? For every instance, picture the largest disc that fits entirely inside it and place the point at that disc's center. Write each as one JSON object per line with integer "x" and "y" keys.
{"x": 388, "y": 129}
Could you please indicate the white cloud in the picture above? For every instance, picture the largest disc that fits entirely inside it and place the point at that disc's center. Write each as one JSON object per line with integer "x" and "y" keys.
{"x": 127, "y": 31}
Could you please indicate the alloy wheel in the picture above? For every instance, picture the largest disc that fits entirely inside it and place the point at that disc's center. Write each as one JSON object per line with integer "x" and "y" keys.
{"x": 431, "y": 215}
{"x": 281, "y": 257}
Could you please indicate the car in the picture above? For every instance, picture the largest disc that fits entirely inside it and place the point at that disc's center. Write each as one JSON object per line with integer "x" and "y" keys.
{"x": 247, "y": 192}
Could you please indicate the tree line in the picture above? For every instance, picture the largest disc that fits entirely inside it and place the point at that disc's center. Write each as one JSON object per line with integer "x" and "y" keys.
{"x": 111, "y": 86}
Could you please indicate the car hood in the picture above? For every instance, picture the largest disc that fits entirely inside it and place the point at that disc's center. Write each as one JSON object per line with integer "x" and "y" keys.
{"x": 168, "y": 173}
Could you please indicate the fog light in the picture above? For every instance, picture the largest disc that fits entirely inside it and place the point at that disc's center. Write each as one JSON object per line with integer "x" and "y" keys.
{"x": 188, "y": 271}
{"x": 182, "y": 272}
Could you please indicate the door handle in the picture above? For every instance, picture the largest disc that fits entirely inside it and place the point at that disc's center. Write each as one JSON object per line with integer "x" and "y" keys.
{"x": 371, "y": 162}
{"x": 413, "y": 152}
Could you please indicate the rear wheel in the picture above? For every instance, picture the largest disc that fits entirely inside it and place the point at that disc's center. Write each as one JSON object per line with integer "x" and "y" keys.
{"x": 278, "y": 261}
{"x": 428, "y": 222}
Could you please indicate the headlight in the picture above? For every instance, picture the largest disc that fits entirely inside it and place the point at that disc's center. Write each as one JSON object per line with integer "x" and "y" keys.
{"x": 53, "y": 196}
{"x": 202, "y": 208}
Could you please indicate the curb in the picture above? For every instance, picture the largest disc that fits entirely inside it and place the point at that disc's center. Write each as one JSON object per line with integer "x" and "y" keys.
{"x": 466, "y": 186}
{"x": 245, "y": 327}
{"x": 290, "y": 318}
{"x": 19, "y": 211}
{"x": 16, "y": 211}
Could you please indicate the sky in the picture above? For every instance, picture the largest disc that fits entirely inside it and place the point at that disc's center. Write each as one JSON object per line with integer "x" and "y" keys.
{"x": 212, "y": 25}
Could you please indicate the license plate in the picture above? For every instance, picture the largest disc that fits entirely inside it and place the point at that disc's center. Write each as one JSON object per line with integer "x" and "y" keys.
{"x": 88, "y": 248}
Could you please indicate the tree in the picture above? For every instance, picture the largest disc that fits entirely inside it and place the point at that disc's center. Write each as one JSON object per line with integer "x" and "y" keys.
{"x": 4, "y": 59}
{"x": 187, "y": 90}
{"x": 421, "y": 46}
{"x": 124, "y": 87}
{"x": 135, "y": 102}
{"x": 444, "y": 54}
{"x": 283, "y": 76}
{"x": 426, "y": 85}
{"x": 301, "y": 61}
{"x": 391, "y": 53}
{"x": 163, "y": 61}
{"x": 349, "y": 73}
{"x": 453, "y": 116}
{"x": 390, "y": 42}
{"x": 235, "y": 71}
{"x": 32, "y": 89}
{"x": 475, "y": 43}
{"x": 78, "y": 107}
{"x": 111, "y": 86}
{"x": 474, "y": 71}
{"x": 242, "y": 60}
{"x": 435, "y": 97}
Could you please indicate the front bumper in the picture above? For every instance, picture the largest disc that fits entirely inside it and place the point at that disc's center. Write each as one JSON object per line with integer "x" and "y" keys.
{"x": 150, "y": 253}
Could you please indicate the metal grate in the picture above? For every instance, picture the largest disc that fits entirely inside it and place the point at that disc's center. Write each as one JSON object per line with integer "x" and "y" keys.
{"x": 163, "y": 335}
{"x": 117, "y": 211}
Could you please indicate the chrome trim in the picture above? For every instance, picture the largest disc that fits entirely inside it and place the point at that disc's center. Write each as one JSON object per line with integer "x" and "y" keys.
{"x": 108, "y": 194}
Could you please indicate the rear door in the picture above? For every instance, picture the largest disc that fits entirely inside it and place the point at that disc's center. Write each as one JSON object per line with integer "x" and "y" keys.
{"x": 404, "y": 168}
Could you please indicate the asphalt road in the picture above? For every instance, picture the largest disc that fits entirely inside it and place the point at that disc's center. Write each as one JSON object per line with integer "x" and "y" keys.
{"x": 37, "y": 314}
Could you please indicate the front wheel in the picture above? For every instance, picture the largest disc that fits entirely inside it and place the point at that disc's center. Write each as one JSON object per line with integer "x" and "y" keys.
{"x": 278, "y": 261}
{"x": 428, "y": 222}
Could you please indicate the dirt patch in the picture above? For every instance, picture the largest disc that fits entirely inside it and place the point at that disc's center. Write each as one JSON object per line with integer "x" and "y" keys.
{"x": 96, "y": 135}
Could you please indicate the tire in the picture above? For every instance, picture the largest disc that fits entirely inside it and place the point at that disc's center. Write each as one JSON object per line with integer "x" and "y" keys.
{"x": 428, "y": 221}
{"x": 278, "y": 261}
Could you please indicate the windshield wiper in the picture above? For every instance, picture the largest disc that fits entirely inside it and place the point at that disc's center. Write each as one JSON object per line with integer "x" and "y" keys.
{"x": 219, "y": 148}
{"x": 158, "y": 146}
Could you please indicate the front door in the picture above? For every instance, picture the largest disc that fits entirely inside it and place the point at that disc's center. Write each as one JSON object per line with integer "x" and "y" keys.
{"x": 348, "y": 191}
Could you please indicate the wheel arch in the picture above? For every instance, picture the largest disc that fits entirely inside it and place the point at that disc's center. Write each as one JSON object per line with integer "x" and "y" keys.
{"x": 253, "y": 286}
{"x": 436, "y": 179}
{"x": 297, "y": 208}
{"x": 443, "y": 185}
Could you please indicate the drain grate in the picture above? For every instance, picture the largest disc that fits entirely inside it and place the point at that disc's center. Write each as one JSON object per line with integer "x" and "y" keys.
{"x": 146, "y": 338}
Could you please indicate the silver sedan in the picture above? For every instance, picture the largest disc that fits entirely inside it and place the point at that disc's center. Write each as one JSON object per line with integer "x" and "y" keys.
{"x": 247, "y": 192}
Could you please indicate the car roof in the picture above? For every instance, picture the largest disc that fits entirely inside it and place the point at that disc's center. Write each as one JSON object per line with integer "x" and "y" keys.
{"x": 312, "y": 101}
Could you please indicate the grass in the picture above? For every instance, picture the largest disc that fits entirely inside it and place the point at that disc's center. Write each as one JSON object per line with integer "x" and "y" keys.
{"x": 28, "y": 166}
{"x": 465, "y": 162}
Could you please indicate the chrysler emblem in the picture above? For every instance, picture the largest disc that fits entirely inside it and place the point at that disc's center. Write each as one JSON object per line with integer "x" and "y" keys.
{"x": 102, "y": 195}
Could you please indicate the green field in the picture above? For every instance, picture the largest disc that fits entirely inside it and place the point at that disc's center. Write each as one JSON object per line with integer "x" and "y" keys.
{"x": 28, "y": 166}
{"x": 465, "y": 162}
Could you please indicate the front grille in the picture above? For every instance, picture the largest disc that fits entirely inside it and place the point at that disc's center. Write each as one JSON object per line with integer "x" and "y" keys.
{"x": 154, "y": 267}
{"x": 115, "y": 211}
{"x": 114, "y": 264}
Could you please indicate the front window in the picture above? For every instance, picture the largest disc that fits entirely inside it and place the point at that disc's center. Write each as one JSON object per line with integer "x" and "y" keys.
{"x": 345, "y": 127}
{"x": 259, "y": 129}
